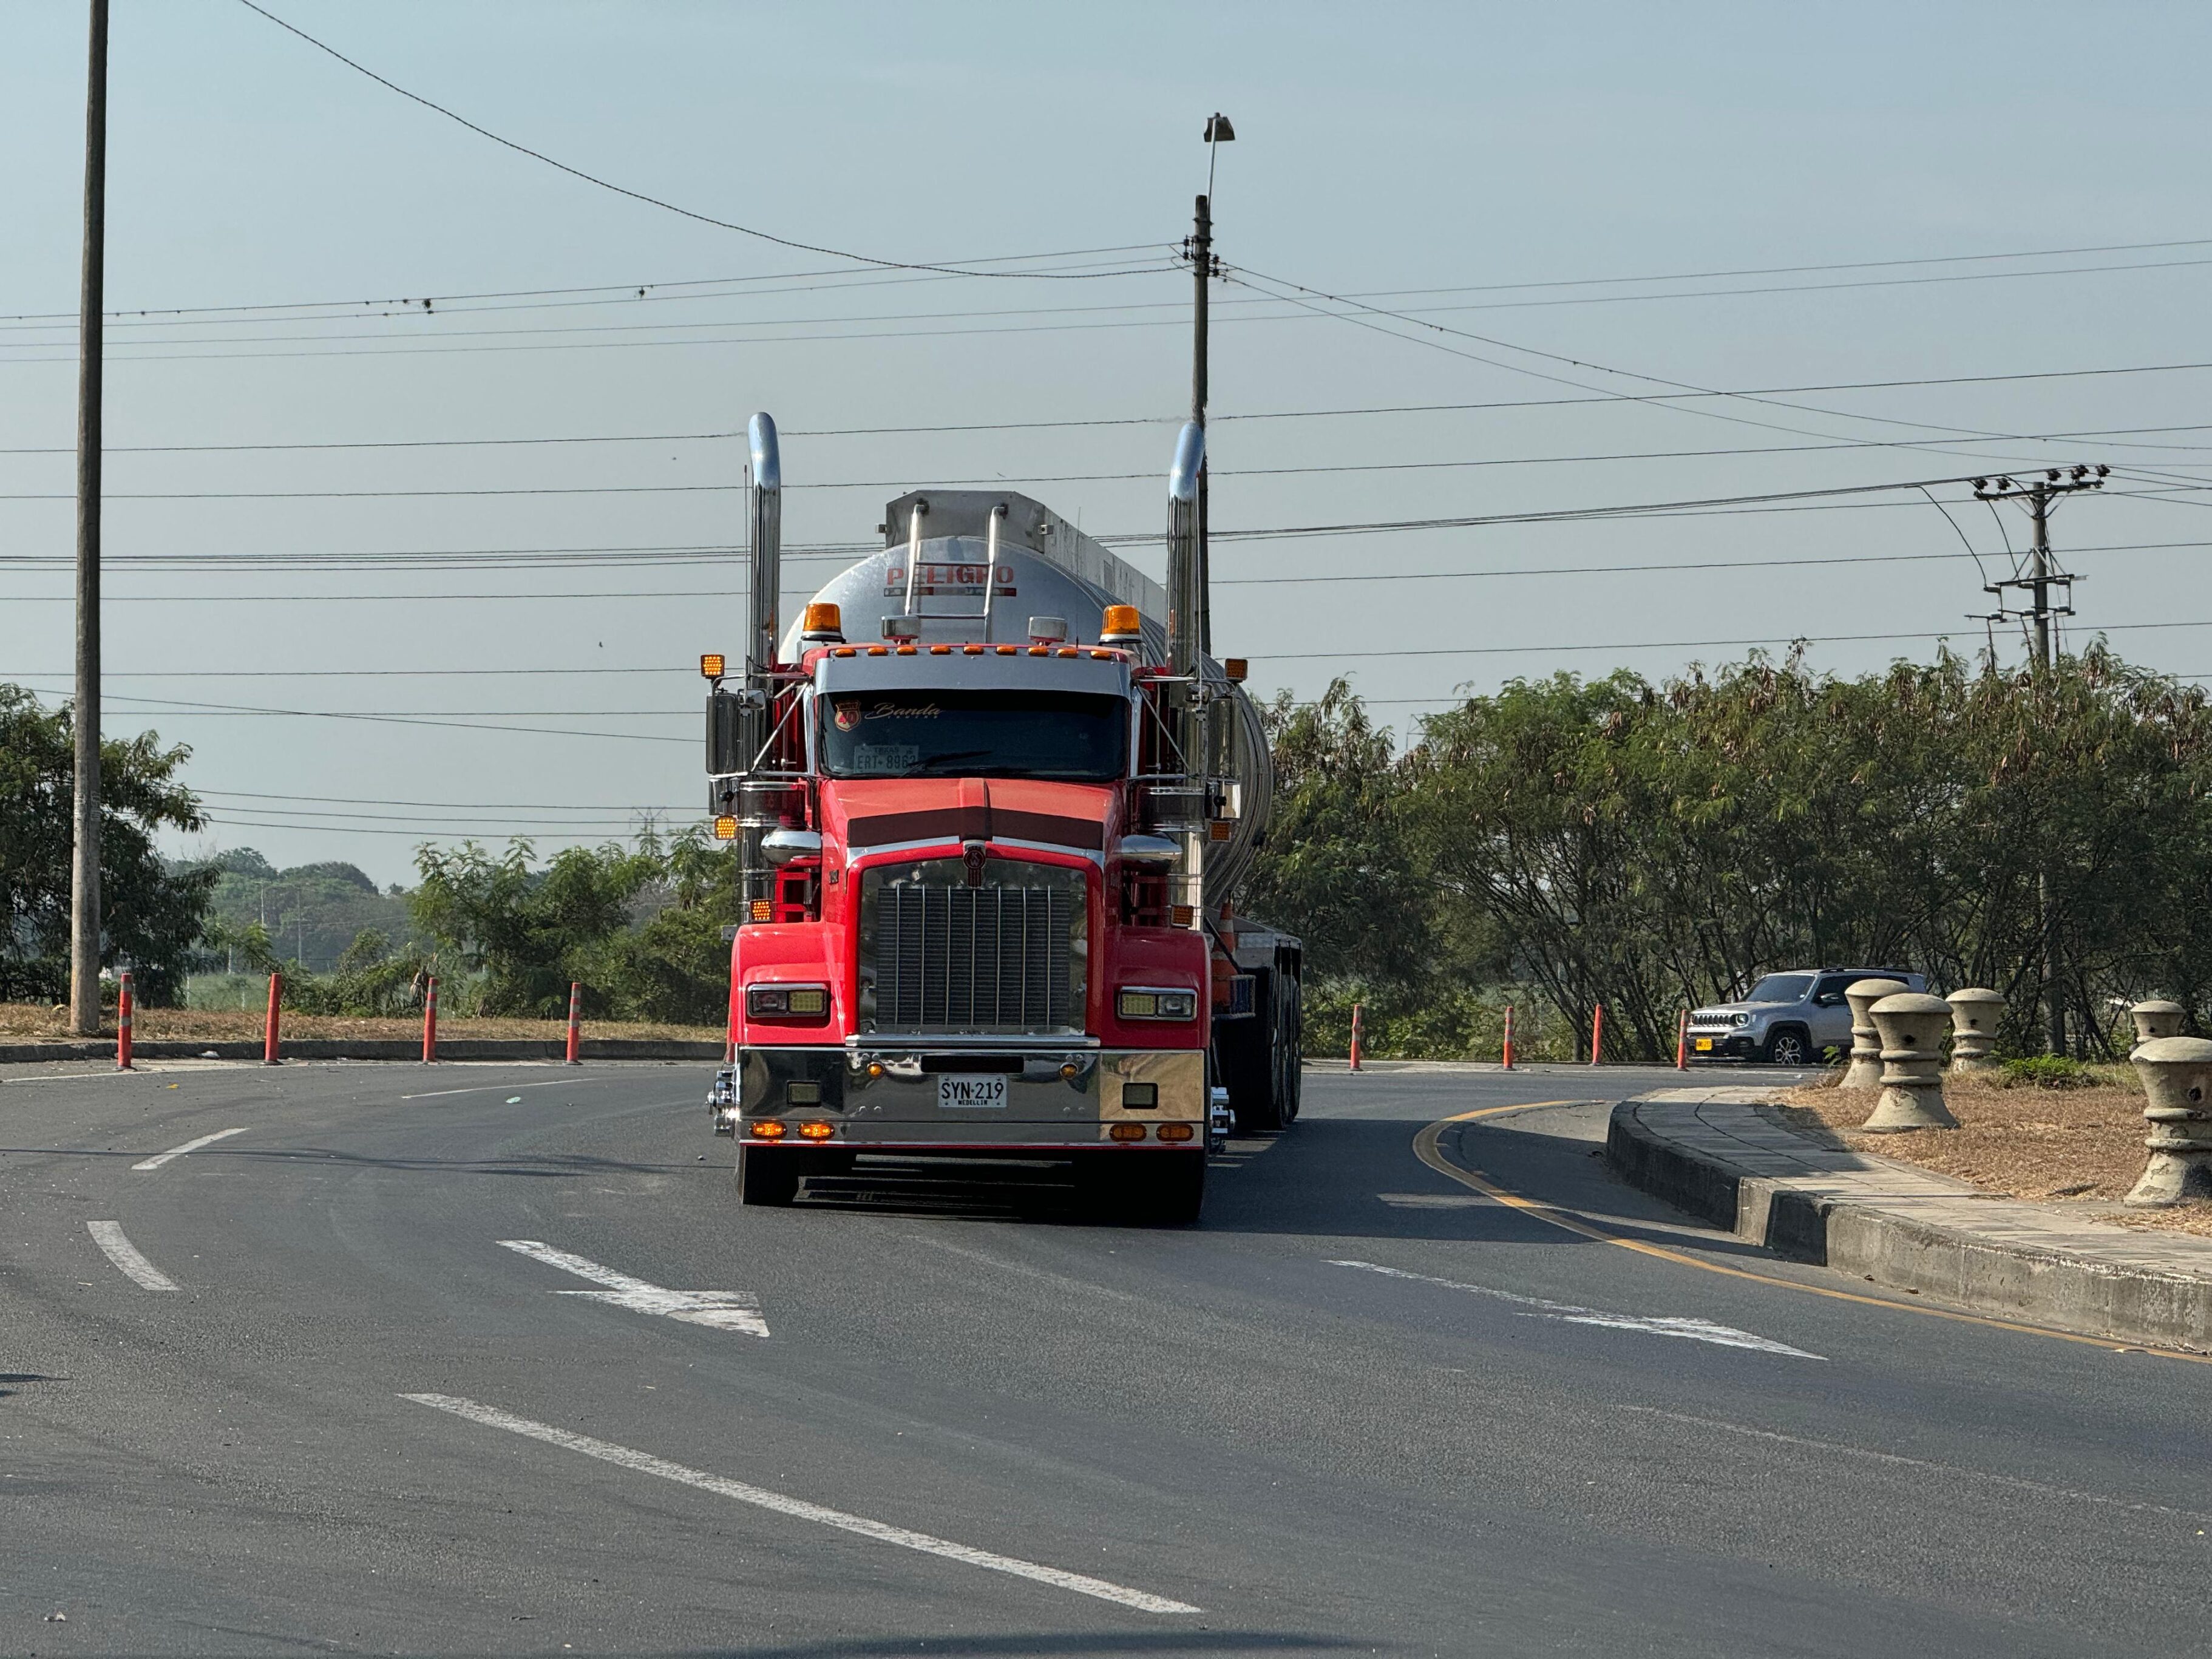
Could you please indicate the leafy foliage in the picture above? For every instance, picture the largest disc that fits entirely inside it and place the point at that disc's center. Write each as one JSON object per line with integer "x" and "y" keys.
{"x": 150, "y": 915}
{"x": 1651, "y": 846}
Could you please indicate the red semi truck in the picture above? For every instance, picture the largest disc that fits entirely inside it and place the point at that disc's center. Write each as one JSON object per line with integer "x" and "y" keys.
{"x": 992, "y": 799}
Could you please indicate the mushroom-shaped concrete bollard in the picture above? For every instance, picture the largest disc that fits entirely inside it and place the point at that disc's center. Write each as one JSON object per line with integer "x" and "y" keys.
{"x": 1912, "y": 1027}
{"x": 1974, "y": 1014}
{"x": 2156, "y": 1019}
{"x": 1865, "y": 1070}
{"x": 2177, "y": 1074}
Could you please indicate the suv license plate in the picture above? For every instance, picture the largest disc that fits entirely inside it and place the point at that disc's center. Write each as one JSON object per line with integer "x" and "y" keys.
{"x": 957, "y": 1092}
{"x": 1704, "y": 1045}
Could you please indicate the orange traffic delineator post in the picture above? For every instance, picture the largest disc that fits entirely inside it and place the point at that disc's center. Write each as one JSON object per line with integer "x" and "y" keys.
{"x": 430, "y": 1019}
{"x": 576, "y": 1020}
{"x": 123, "y": 1020}
{"x": 1509, "y": 1037}
{"x": 1682, "y": 1042}
{"x": 1597, "y": 1032}
{"x": 268, "y": 1038}
{"x": 1355, "y": 1037}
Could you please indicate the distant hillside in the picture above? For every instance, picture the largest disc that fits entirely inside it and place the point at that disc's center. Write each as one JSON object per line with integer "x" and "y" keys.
{"x": 312, "y": 911}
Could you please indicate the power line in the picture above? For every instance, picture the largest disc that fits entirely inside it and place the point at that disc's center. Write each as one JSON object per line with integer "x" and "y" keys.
{"x": 621, "y": 190}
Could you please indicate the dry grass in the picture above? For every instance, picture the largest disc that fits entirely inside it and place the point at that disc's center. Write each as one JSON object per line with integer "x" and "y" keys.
{"x": 31, "y": 1021}
{"x": 2082, "y": 1146}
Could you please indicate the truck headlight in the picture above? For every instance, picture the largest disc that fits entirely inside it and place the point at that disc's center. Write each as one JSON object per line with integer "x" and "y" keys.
{"x": 1141, "y": 1002}
{"x": 794, "y": 1002}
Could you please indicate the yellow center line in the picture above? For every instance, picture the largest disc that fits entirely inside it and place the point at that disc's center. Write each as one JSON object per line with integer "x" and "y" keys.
{"x": 1428, "y": 1148}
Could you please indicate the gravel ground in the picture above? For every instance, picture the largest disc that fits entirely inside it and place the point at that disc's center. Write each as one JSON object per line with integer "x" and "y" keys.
{"x": 2083, "y": 1145}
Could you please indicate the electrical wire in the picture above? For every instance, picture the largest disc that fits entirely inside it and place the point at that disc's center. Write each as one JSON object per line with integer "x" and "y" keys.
{"x": 607, "y": 185}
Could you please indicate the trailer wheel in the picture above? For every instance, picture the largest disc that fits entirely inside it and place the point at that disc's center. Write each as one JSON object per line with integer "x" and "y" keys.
{"x": 1291, "y": 1009}
{"x": 767, "y": 1175}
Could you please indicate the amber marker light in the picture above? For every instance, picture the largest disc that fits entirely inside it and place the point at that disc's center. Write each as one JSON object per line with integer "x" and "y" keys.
{"x": 763, "y": 909}
{"x": 726, "y": 828}
{"x": 815, "y": 1129}
{"x": 1167, "y": 1132}
{"x": 1236, "y": 668}
{"x": 710, "y": 664}
{"x": 1124, "y": 1131}
{"x": 767, "y": 1130}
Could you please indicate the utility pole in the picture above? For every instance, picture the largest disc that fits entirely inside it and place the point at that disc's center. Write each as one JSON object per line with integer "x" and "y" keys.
{"x": 2043, "y": 575}
{"x": 84, "y": 860}
{"x": 1200, "y": 251}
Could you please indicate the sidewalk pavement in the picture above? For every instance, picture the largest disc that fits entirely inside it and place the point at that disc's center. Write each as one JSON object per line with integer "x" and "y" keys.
{"x": 1729, "y": 1155}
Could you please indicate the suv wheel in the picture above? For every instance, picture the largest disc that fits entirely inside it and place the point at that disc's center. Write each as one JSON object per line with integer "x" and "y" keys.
{"x": 1788, "y": 1047}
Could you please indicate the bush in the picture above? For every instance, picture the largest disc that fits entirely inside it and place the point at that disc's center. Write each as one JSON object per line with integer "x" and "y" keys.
{"x": 2051, "y": 1072}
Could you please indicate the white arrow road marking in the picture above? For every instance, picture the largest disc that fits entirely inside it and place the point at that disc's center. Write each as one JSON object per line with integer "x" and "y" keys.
{"x": 108, "y": 1234}
{"x": 1535, "y": 1307}
{"x": 725, "y": 1310}
{"x": 160, "y": 1158}
{"x": 798, "y": 1508}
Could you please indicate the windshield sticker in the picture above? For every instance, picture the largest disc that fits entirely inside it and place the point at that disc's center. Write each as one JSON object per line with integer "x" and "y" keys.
{"x": 847, "y": 716}
{"x": 901, "y": 711}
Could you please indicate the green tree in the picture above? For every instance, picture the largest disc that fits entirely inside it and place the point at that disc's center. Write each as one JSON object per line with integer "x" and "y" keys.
{"x": 150, "y": 914}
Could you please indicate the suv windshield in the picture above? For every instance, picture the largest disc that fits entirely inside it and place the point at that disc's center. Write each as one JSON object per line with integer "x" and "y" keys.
{"x": 1781, "y": 988}
{"x": 1073, "y": 737}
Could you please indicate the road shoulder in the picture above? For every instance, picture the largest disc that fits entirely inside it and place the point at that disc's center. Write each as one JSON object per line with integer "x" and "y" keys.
{"x": 1727, "y": 1155}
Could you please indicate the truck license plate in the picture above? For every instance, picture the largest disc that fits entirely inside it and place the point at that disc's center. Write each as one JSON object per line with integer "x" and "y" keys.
{"x": 1704, "y": 1045}
{"x": 970, "y": 1092}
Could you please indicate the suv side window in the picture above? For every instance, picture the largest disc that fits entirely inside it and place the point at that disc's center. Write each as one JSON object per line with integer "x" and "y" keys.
{"x": 1828, "y": 990}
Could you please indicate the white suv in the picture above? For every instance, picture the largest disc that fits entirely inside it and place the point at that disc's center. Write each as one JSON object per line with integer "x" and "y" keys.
{"x": 1787, "y": 1019}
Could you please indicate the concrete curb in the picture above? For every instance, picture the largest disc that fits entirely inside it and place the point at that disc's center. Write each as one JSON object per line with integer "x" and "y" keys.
{"x": 371, "y": 1049}
{"x": 2002, "y": 1277}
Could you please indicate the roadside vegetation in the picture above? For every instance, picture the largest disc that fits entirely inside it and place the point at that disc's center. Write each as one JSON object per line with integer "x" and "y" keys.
{"x": 1563, "y": 842}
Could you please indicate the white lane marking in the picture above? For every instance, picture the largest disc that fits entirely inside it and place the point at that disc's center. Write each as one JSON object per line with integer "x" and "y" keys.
{"x": 725, "y": 1310}
{"x": 1898, "y": 1460}
{"x": 1535, "y": 1307}
{"x": 160, "y": 1158}
{"x": 108, "y": 1234}
{"x": 798, "y": 1508}
{"x": 486, "y": 1088}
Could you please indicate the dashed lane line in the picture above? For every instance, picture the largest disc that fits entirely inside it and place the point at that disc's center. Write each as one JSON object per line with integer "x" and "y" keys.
{"x": 108, "y": 1234}
{"x": 1537, "y": 1307}
{"x": 798, "y": 1508}
{"x": 1428, "y": 1149}
{"x": 160, "y": 1158}
{"x": 487, "y": 1088}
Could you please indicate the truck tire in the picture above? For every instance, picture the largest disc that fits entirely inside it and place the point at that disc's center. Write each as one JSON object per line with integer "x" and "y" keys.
{"x": 768, "y": 1175}
{"x": 1169, "y": 1188}
{"x": 1291, "y": 1043}
{"x": 1788, "y": 1046}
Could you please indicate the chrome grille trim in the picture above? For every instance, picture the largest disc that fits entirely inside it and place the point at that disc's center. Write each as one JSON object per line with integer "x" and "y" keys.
{"x": 1005, "y": 956}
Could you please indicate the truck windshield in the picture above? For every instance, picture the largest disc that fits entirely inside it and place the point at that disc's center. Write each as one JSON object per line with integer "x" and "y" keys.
{"x": 1781, "y": 988}
{"x": 1072, "y": 737}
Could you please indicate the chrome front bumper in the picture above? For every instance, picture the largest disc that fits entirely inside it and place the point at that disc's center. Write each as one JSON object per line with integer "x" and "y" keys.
{"x": 887, "y": 1098}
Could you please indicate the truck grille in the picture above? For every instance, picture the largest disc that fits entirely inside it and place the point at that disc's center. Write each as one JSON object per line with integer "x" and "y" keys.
{"x": 939, "y": 956}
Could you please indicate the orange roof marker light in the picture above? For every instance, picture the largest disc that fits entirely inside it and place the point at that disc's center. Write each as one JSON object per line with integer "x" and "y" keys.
{"x": 824, "y": 624}
{"x": 1122, "y": 626}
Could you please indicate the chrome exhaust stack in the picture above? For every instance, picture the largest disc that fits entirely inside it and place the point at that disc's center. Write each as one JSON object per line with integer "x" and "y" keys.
{"x": 1188, "y": 800}
{"x": 767, "y": 546}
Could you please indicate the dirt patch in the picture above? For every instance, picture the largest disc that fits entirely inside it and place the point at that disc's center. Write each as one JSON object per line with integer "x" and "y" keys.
{"x": 31, "y": 1021}
{"x": 2077, "y": 1145}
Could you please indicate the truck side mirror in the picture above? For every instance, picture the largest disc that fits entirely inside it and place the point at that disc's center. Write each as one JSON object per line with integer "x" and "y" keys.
{"x": 725, "y": 733}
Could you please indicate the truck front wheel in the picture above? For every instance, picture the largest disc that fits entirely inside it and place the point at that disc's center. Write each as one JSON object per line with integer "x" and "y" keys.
{"x": 768, "y": 1175}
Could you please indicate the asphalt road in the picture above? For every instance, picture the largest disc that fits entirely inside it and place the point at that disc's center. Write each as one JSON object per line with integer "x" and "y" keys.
{"x": 1365, "y": 1407}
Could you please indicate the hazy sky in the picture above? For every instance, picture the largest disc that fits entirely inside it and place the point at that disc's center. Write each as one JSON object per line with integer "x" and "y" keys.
{"x": 1488, "y": 167}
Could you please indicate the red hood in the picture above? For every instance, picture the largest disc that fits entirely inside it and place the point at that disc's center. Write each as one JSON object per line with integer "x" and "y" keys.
{"x": 886, "y": 811}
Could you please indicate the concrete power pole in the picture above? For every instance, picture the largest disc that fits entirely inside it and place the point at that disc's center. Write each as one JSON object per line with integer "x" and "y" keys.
{"x": 2043, "y": 575}
{"x": 84, "y": 862}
